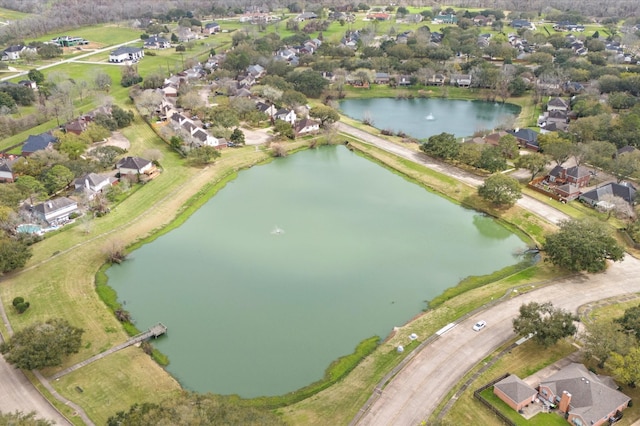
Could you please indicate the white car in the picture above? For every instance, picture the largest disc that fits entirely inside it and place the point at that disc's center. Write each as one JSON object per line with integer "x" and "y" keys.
{"x": 479, "y": 325}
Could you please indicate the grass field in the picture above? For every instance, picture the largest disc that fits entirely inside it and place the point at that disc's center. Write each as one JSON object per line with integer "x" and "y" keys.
{"x": 104, "y": 35}
{"x": 11, "y": 15}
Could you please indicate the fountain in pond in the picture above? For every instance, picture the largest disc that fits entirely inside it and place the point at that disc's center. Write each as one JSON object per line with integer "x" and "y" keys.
{"x": 430, "y": 117}
{"x": 277, "y": 231}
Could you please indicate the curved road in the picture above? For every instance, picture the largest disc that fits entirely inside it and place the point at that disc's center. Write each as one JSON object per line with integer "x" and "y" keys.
{"x": 415, "y": 392}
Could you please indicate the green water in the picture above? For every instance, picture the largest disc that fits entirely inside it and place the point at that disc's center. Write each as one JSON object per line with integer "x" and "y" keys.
{"x": 254, "y": 312}
{"x": 422, "y": 118}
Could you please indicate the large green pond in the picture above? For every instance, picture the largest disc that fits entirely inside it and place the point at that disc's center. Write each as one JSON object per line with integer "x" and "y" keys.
{"x": 422, "y": 117}
{"x": 294, "y": 263}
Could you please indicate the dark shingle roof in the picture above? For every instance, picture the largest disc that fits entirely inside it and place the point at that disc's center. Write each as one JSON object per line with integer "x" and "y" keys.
{"x": 516, "y": 389}
{"x": 136, "y": 163}
{"x": 591, "y": 398}
{"x": 37, "y": 142}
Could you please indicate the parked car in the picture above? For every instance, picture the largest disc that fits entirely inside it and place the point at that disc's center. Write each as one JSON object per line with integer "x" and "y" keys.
{"x": 479, "y": 325}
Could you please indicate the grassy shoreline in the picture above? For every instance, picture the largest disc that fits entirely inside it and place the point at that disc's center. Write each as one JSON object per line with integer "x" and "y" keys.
{"x": 178, "y": 192}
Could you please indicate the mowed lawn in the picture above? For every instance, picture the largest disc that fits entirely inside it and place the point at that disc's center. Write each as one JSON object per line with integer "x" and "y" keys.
{"x": 105, "y": 35}
{"x": 59, "y": 280}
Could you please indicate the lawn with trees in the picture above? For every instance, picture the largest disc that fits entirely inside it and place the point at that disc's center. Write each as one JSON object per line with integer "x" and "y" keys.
{"x": 289, "y": 88}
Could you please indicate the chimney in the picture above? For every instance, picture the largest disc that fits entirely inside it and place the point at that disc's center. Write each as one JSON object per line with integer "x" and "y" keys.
{"x": 565, "y": 400}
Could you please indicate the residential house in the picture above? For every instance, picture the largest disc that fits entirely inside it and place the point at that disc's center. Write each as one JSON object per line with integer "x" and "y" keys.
{"x": 379, "y": 16}
{"x": 56, "y": 211}
{"x": 494, "y": 138}
{"x": 624, "y": 190}
{"x": 526, "y": 138}
{"x": 37, "y": 143}
{"x": 6, "y": 170}
{"x": 185, "y": 34}
{"x": 306, "y": 126}
{"x": 626, "y": 149}
{"x": 29, "y": 83}
{"x": 202, "y": 138}
{"x": 156, "y": 42}
{"x": 515, "y": 392}
{"x": 126, "y": 54}
{"x": 256, "y": 70}
{"x": 522, "y": 23}
{"x": 483, "y": 21}
{"x": 15, "y": 52}
{"x": 134, "y": 166}
{"x": 381, "y": 78}
{"x": 77, "y": 125}
{"x": 437, "y": 79}
{"x": 558, "y": 104}
{"x": 568, "y": 191}
{"x": 212, "y": 28}
{"x": 287, "y": 115}
{"x": 404, "y": 80}
{"x": 460, "y": 80}
{"x": 266, "y": 108}
{"x": 576, "y": 175}
{"x": 305, "y": 16}
{"x": 285, "y": 54}
{"x": 582, "y": 396}
{"x": 93, "y": 183}
{"x": 448, "y": 18}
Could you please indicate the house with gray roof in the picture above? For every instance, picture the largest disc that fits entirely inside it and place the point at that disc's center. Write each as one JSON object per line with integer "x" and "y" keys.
{"x": 126, "y": 54}
{"x": 6, "y": 170}
{"x": 624, "y": 190}
{"x": 93, "y": 183}
{"x": 584, "y": 397}
{"x": 134, "y": 166}
{"x": 38, "y": 143}
{"x": 515, "y": 392}
{"x": 157, "y": 42}
{"x": 56, "y": 211}
{"x": 576, "y": 175}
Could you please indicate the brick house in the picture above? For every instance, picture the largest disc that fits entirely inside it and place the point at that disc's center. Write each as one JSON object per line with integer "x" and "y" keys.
{"x": 515, "y": 392}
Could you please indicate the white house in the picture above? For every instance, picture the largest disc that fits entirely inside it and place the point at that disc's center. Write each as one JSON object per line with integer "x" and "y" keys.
{"x": 6, "y": 172}
{"x": 134, "y": 166}
{"x": 93, "y": 183}
{"x": 306, "y": 126}
{"x": 56, "y": 211}
{"x": 126, "y": 54}
{"x": 287, "y": 115}
{"x": 12, "y": 53}
{"x": 156, "y": 42}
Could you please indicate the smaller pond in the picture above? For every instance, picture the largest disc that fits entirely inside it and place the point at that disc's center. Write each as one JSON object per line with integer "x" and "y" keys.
{"x": 424, "y": 117}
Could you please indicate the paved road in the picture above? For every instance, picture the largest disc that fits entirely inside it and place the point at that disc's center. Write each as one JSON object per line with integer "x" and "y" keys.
{"x": 539, "y": 208}
{"x": 417, "y": 390}
{"x": 18, "y": 394}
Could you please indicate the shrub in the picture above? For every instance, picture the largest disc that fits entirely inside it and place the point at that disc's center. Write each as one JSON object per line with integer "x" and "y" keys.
{"x": 17, "y": 301}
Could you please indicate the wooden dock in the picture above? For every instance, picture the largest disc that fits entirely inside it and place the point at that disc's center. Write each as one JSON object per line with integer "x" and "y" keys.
{"x": 157, "y": 330}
